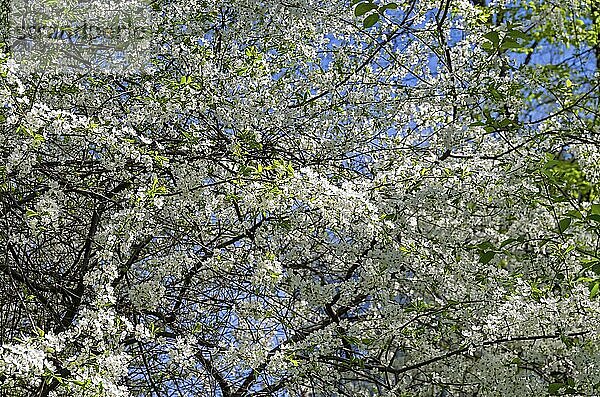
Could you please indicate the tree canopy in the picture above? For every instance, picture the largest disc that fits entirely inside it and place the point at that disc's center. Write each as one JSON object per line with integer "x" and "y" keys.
{"x": 304, "y": 198}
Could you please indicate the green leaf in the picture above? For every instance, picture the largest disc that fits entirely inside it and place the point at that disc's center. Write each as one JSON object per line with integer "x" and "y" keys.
{"x": 509, "y": 44}
{"x": 595, "y": 209}
{"x": 486, "y": 256}
{"x": 494, "y": 37}
{"x": 585, "y": 280}
{"x": 30, "y": 213}
{"x": 370, "y": 20}
{"x": 595, "y": 289}
{"x": 488, "y": 47}
{"x": 506, "y": 242}
{"x": 517, "y": 34}
{"x": 553, "y": 388}
{"x": 575, "y": 214}
{"x": 497, "y": 95}
{"x": 485, "y": 245}
{"x": 363, "y": 8}
{"x": 390, "y": 6}
{"x": 564, "y": 224}
{"x": 293, "y": 361}
{"x": 477, "y": 124}
{"x": 594, "y": 217}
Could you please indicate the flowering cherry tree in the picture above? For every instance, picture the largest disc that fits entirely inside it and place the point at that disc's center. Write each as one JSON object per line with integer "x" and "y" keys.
{"x": 309, "y": 198}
